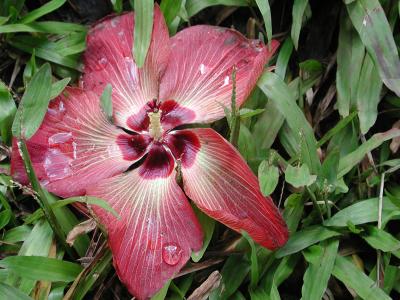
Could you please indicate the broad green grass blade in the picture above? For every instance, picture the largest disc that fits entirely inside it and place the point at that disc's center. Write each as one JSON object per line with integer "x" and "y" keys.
{"x": 58, "y": 86}
{"x": 347, "y": 162}
{"x": 37, "y": 244}
{"x": 350, "y": 55}
{"x": 368, "y": 94}
{"x": 208, "y": 225}
{"x": 45, "y": 50}
{"x": 170, "y": 9}
{"x": 362, "y": 212}
{"x": 263, "y": 6}
{"x": 7, "y": 112}
{"x": 304, "y": 238}
{"x": 299, "y": 7}
{"x": 45, "y": 27}
{"x": 143, "y": 29}
{"x": 338, "y": 127}
{"x": 42, "y": 11}
{"x": 382, "y": 240}
{"x": 233, "y": 273}
{"x": 42, "y": 268}
{"x": 10, "y": 292}
{"x": 194, "y": 6}
{"x": 278, "y": 92}
{"x": 254, "y": 266}
{"x": 88, "y": 200}
{"x": 351, "y": 276}
{"x": 33, "y": 106}
{"x": 369, "y": 19}
{"x": 316, "y": 277}
{"x": 17, "y": 234}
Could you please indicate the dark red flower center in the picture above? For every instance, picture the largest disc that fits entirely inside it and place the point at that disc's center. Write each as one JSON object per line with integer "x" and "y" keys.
{"x": 152, "y": 135}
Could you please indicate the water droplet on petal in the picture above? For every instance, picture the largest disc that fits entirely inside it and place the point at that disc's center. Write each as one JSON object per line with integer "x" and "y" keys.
{"x": 56, "y": 164}
{"x": 57, "y": 111}
{"x": 101, "y": 64}
{"x": 171, "y": 254}
{"x": 115, "y": 21}
{"x": 202, "y": 69}
{"x": 60, "y": 138}
{"x": 226, "y": 81}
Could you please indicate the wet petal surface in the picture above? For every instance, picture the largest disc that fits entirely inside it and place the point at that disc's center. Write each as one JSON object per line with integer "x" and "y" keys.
{"x": 223, "y": 186}
{"x": 198, "y": 76}
{"x": 156, "y": 233}
{"x": 76, "y": 146}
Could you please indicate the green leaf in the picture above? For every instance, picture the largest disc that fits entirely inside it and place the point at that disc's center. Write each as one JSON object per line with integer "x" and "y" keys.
{"x": 299, "y": 7}
{"x": 246, "y": 113}
{"x": 33, "y": 106}
{"x": 117, "y": 5}
{"x": 294, "y": 206}
{"x": 338, "y": 127}
{"x": 263, "y": 6}
{"x": 7, "y": 112}
{"x": 58, "y": 86}
{"x": 45, "y": 27}
{"x": 368, "y": 94}
{"x": 369, "y": 19}
{"x": 170, "y": 9}
{"x": 10, "y": 292}
{"x": 351, "y": 276}
{"x": 106, "y": 101}
{"x": 162, "y": 293}
{"x": 347, "y": 162}
{"x": 143, "y": 30}
{"x": 88, "y": 200}
{"x": 278, "y": 92}
{"x": 299, "y": 176}
{"x": 42, "y": 268}
{"x": 315, "y": 280}
{"x": 382, "y": 240}
{"x": 233, "y": 273}
{"x": 41, "y": 11}
{"x": 362, "y": 212}
{"x": 304, "y": 238}
{"x": 46, "y": 50}
{"x": 350, "y": 55}
{"x": 284, "y": 55}
{"x": 207, "y": 225}
{"x": 194, "y": 6}
{"x": 268, "y": 177}
{"x": 254, "y": 268}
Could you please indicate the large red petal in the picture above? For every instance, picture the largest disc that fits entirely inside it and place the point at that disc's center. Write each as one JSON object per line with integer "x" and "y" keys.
{"x": 224, "y": 187}
{"x": 156, "y": 233}
{"x": 198, "y": 75}
{"x": 76, "y": 146}
{"x": 108, "y": 59}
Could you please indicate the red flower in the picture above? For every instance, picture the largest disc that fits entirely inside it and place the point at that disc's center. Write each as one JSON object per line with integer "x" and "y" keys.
{"x": 185, "y": 80}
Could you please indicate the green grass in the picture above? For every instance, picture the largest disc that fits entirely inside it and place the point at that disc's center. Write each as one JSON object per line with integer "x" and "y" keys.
{"x": 317, "y": 130}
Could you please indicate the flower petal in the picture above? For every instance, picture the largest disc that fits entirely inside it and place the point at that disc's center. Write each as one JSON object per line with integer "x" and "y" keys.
{"x": 198, "y": 75}
{"x": 224, "y": 187}
{"x": 156, "y": 233}
{"x": 108, "y": 59}
{"x": 76, "y": 146}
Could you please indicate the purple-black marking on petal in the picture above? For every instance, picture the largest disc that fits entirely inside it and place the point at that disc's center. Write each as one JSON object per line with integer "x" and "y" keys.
{"x": 174, "y": 114}
{"x": 159, "y": 163}
{"x": 133, "y": 146}
{"x": 184, "y": 145}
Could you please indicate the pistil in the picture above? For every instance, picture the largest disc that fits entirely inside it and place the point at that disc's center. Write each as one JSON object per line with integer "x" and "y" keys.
{"x": 155, "y": 128}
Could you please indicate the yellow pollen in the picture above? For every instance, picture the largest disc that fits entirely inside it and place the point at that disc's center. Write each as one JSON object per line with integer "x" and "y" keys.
{"x": 155, "y": 128}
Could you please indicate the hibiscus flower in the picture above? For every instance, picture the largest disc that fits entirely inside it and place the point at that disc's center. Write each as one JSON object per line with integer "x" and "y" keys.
{"x": 133, "y": 161}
